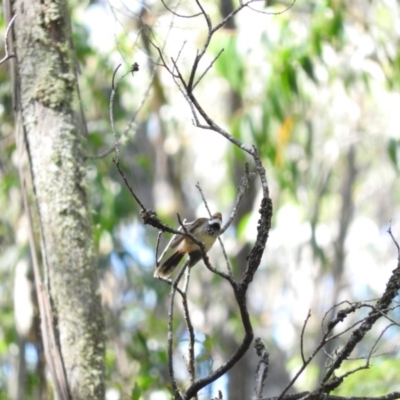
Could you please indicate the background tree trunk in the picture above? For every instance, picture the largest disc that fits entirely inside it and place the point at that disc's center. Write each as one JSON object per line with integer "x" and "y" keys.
{"x": 45, "y": 91}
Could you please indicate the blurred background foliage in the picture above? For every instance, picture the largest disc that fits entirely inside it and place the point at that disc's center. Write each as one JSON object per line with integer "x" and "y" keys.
{"x": 316, "y": 90}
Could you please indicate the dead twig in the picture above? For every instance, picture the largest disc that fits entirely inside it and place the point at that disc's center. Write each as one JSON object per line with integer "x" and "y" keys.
{"x": 179, "y": 15}
{"x": 116, "y": 160}
{"x": 7, "y": 55}
{"x": 302, "y": 336}
{"x": 262, "y": 368}
{"x": 174, "y": 286}
{"x": 272, "y": 12}
{"x": 394, "y": 240}
{"x": 191, "y": 365}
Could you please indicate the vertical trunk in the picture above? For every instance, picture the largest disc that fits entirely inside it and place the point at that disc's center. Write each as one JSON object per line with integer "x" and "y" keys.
{"x": 45, "y": 87}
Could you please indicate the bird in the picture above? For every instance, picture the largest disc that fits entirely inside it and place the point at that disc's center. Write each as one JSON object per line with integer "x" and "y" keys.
{"x": 205, "y": 230}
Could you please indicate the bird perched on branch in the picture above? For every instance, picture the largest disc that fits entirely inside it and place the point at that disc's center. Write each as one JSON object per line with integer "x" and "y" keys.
{"x": 206, "y": 230}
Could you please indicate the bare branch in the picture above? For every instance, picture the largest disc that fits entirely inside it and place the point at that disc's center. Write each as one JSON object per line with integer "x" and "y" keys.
{"x": 203, "y": 198}
{"x": 180, "y": 76}
{"x": 211, "y": 125}
{"x": 262, "y": 367}
{"x": 253, "y": 261}
{"x": 114, "y": 86}
{"x": 241, "y": 190}
{"x": 130, "y": 123}
{"x": 237, "y": 355}
{"x": 263, "y": 228}
{"x": 191, "y": 366}
{"x": 391, "y": 291}
{"x": 394, "y": 240}
{"x": 231, "y": 15}
{"x": 383, "y": 312}
{"x": 301, "y": 395}
{"x": 372, "y": 351}
{"x": 341, "y": 315}
{"x": 271, "y": 12}
{"x": 301, "y": 369}
{"x": 171, "y": 372}
{"x": 207, "y": 69}
{"x": 302, "y": 336}
{"x": 157, "y": 245}
{"x": 127, "y": 184}
{"x": 228, "y": 264}
{"x": 179, "y": 15}
{"x": 7, "y": 55}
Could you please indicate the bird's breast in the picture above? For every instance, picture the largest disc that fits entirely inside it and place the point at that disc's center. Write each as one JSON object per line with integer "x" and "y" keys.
{"x": 188, "y": 245}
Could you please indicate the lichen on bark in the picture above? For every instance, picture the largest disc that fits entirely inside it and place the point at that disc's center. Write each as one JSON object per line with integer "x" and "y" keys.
{"x": 46, "y": 87}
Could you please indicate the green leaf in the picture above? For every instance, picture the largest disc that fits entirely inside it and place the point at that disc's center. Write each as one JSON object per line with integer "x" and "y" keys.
{"x": 208, "y": 344}
{"x": 243, "y": 225}
{"x": 392, "y": 151}
{"x": 308, "y": 67}
{"x": 136, "y": 392}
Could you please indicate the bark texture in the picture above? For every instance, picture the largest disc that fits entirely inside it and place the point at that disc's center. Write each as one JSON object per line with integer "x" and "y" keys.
{"x": 46, "y": 88}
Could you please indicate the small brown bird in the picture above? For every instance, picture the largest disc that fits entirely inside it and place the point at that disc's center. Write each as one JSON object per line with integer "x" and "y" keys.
{"x": 204, "y": 229}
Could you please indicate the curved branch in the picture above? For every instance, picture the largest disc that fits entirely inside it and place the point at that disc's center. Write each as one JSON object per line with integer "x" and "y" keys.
{"x": 7, "y": 55}
{"x": 179, "y": 15}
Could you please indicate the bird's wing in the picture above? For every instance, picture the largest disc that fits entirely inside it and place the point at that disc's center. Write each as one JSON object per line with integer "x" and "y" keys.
{"x": 177, "y": 239}
{"x": 190, "y": 226}
{"x": 195, "y": 224}
{"x": 174, "y": 242}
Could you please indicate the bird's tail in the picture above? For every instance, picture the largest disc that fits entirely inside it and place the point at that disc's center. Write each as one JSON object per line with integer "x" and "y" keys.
{"x": 167, "y": 267}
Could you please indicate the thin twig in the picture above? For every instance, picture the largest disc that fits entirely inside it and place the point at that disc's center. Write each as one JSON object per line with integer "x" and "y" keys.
{"x": 228, "y": 264}
{"x": 116, "y": 160}
{"x": 204, "y": 199}
{"x": 180, "y": 76}
{"x": 207, "y": 69}
{"x": 372, "y": 351}
{"x": 179, "y": 15}
{"x": 391, "y": 291}
{"x": 272, "y": 12}
{"x": 383, "y": 312}
{"x": 157, "y": 245}
{"x": 211, "y": 125}
{"x": 341, "y": 315}
{"x": 127, "y": 184}
{"x": 7, "y": 56}
{"x": 114, "y": 85}
{"x": 174, "y": 286}
{"x": 302, "y": 336}
{"x": 394, "y": 240}
{"x": 262, "y": 368}
{"x": 302, "y": 368}
{"x": 241, "y": 191}
{"x": 238, "y": 353}
{"x": 191, "y": 366}
{"x": 301, "y": 395}
{"x": 129, "y": 126}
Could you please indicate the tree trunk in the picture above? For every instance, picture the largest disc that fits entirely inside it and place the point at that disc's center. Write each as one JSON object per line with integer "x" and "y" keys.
{"x": 45, "y": 90}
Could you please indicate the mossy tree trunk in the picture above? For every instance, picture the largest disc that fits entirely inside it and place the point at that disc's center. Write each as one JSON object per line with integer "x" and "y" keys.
{"x": 46, "y": 89}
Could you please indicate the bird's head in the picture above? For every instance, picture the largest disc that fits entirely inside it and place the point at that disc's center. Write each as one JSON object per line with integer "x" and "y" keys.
{"x": 216, "y": 220}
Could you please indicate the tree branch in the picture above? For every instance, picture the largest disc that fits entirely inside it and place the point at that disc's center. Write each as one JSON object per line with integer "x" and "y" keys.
{"x": 7, "y": 55}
